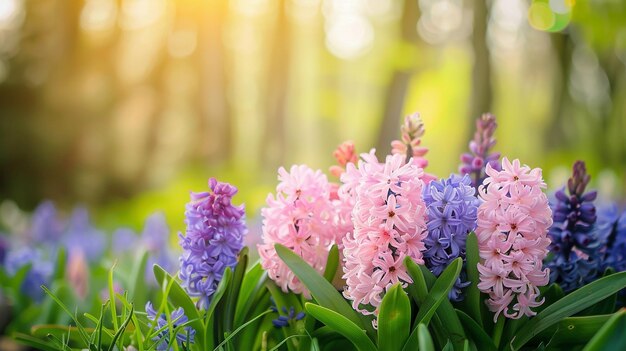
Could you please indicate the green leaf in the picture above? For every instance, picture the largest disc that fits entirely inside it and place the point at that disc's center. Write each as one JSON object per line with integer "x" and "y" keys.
{"x": 448, "y": 347}
{"x": 179, "y": 298}
{"x": 209, "y": 337}
{"x": 112, "y": 297}
{"x": 435, "y": 297}
{"x": 81, "y": 329}
{"x": 323, "y": 292}
{"x": 445, "y": 315}
{"x": 606, "y": 306}
{"x": 121, "y": 330}
{"x": 569, "y": 305}
{"x": 472, "y": 300}
{"x": 342, "y": 325}
{"x": 33, "y": 342}
{"x": 138, "y": 278}
{"x": 250, "y": 292}
{"x": 571, "y": 331}
{"x": 331, "y": 264}
{"x": 425, "y": 340}
{"x": 232, "y": 296}
{"x": 418, "y": 290}
{"x": 59, "y": 268}
{"x": 42, "y": 331}
{"x": 423, "y": 280}
{"x": 611, "y": 335}
{"x": 240, "y": 328}
{"x": 394, "y": 319}
{"x": 476, "y": 332}
{"x": 551, "y": 295}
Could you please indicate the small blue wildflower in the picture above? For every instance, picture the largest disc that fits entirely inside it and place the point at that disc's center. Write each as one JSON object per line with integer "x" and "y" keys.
{"x": 39, "y": 273}
{"x": 451, "y": 209}
{"x": 177, "y": 318}
{"x": 576, "y": 250}
{"x": 289, "y": 316}
{"x": 214, "y": 237}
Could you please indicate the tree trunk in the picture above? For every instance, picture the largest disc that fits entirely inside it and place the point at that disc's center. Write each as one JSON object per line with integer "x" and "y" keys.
{"x": 396, "y": 93}
{"x": 481, "y": 95}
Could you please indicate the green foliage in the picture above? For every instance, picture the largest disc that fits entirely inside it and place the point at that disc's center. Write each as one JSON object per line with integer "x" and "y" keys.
{"x": 394, "y": 319}
{"x": 569, "y": 305}
{"x": 416, "y": 317}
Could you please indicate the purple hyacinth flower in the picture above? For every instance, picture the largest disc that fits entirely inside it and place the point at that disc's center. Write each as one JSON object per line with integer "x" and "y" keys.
{"x": 183, "y": 335}
{"x": 82, "y": 235}
{"x": 576, "y": 247}
{"x": 480, "y": 155}
{"x": 451, "y": 209}
{"x": 46, "y": 227}
{"x": 214, "y": 237}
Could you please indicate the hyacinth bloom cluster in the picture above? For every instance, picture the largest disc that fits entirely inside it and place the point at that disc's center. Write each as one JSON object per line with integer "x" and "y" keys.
{"x": 389, "y": 225}
{"x": 480, "y": 155}
{"x": 409, "y": 145}
{"x": 575, "y": 244}
{"x": 214, "y": 237}
{"x": 411, "y": 132}
{"x": 512, "y": 228}
{"x": 300, "y": 216}
{"x": 451, "y": 207}
{"x": 344, "y": 154}
{"x": 184, "y": 335}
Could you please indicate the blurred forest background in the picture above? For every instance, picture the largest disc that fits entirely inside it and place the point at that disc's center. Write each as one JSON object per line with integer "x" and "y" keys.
{"x": 126, "y": 105}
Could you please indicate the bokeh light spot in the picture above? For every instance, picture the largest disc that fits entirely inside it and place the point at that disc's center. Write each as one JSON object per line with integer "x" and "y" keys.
{"x": 349, "y": 36}
{"x": 540, "y": 16}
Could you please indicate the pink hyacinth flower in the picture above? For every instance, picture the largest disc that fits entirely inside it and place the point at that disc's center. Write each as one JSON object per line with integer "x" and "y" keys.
{"x": 301, "y": 216}
{"x": 389, "y": 225}
{"x": 513, "y": 223}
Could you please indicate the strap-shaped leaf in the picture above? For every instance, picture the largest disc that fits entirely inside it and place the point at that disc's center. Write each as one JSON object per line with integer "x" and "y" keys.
{"x": 394, "y": 319}
{"x": 611, "y": 335}
{"x": 476, "y": 332}
{"x": 569, "y": 305}
{"x": 342, "y": 325}
{"x": 209, "y": 337}
{"x": 472, "y": 300}
{"x": 232, "y": 294}
{"x": 332, "y": 263}
{"x": 138, "y": 278}
{"x": 572, "y": 330}
{"x": 425, "y": 340}
{"x": 435, "y": 297}
{"x": 324, "y": 293}
{"x": 251, "y": 285}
